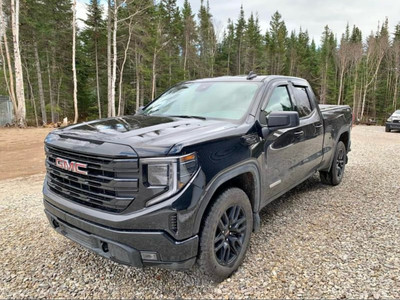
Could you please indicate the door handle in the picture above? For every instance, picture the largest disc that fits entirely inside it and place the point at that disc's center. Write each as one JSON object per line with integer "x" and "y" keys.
{"x": 299, "y": 133}
{"x": 318, "y": 125}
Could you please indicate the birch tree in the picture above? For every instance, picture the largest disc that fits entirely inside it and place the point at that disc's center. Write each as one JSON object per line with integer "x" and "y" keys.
{"x": 40, "y": 83}
{"x": 377, "y": 47}
{"x": 343, "y": 61}
{"x": 75, "y": 95}
{"x": 19, "y": 78}
{"x": 355, "y": 53}
{"x": 121, "y": 104}
{"x": 109, "y": 61}
{"x": 6, "y": 57}
{"x": 396, "y": 65}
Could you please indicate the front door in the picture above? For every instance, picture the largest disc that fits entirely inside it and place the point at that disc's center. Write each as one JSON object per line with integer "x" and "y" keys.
{"x": 280, "y": 151}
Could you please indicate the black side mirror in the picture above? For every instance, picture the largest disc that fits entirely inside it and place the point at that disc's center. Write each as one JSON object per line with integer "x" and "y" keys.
{"x": 283, "y": 119}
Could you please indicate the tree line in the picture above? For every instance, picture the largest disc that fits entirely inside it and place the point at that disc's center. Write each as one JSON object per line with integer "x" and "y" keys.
{"x": 129, "y": 51}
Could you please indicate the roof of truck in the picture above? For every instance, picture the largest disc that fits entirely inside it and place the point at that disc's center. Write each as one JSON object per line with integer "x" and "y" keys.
{"x": 256, "y": 78}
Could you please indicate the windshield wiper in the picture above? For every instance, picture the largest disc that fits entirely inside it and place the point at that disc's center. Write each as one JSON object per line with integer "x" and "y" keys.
{"x": 188, "y": 117}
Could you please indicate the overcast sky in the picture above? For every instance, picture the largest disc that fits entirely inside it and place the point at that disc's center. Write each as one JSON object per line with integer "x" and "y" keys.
{"x": 310, "y": 15}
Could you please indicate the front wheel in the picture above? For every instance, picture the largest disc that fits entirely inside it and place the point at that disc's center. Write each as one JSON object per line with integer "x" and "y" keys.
{"x": 387, "y": 129}
{"x": 335, "y": 175}
{"x": 226, "y": 234}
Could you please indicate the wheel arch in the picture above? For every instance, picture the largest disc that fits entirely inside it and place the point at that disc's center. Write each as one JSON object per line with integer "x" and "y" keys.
{"x": 245, "y": 176}
{"x": 345, "y": 138}
{"x": 342, "y": 136}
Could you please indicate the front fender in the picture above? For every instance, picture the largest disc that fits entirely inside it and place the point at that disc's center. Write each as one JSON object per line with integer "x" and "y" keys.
{"x": 248, "y": 166}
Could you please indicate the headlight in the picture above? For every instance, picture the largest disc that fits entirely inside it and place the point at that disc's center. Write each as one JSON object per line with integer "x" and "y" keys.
{"x": 168, "y": 175}
{"x": 390, "y": 119}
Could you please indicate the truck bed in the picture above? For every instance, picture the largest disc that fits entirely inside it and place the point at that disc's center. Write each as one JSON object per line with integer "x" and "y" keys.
{"x": 327, "y": 107}
{"x": 337, "y": 119}
{"x": 333, "y": 112}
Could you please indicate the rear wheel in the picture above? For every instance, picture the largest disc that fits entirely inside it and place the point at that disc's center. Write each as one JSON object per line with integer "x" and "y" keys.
{"x": 335, "y": 175}
{"x": 226, "y": 234}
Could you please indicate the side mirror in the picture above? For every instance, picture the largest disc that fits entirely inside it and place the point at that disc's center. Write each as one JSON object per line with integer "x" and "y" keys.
{"x": 283, "y": 119}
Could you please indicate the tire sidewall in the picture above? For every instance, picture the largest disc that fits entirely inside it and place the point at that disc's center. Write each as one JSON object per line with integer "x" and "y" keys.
{"x": 335, "y": 178}
{"x": 231, "y": 197}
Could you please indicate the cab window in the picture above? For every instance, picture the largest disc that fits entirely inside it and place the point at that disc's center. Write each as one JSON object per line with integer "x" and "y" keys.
{"x": 303, "y": 102}
{"x": 278, "y": 101}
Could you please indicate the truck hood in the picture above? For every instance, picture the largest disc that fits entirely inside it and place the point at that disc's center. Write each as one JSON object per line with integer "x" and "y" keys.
{"x": 149, "y": 136}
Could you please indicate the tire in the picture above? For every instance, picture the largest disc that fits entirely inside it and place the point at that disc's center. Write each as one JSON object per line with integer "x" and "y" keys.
{"x": 335, "y": 175}
{"x": 222, "y": 248}
{"x": 387, "y": 129}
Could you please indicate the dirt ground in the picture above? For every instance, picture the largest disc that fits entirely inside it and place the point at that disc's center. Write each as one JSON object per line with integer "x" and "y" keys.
{"x": 21, "y": 152}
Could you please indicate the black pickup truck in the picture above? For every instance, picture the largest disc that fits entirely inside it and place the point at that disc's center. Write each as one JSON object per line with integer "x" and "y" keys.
{"x": 184, "y": 179}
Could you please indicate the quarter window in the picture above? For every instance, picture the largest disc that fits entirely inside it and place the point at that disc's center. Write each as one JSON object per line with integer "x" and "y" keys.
{"x": 303, "y": 101}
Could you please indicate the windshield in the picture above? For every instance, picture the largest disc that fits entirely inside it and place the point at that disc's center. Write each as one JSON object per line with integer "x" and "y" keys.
{"x": 397, "y": 112}
{"x": 221, "y": 100}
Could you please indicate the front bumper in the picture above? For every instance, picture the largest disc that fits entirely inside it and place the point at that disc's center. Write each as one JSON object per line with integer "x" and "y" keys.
{"x": 130, "y": 247}
{"x": 392, "y": 125}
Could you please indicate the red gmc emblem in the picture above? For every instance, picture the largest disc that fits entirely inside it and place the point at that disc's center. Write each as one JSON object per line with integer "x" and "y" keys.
{"x": 71, "y": 166}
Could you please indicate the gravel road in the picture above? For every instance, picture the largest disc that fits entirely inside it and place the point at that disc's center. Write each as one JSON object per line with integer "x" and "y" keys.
{"x": 315, "y": 242}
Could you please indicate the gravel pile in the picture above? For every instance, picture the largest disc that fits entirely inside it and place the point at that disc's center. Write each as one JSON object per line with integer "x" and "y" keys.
{"x": 315, "y": 242}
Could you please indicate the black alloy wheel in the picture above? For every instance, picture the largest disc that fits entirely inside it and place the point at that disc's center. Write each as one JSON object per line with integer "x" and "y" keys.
{"x": 230, "y": 235}
{"x": 335, "y": 175}
{"x": 225, "y": 234}
{"x": 340, "y": 162}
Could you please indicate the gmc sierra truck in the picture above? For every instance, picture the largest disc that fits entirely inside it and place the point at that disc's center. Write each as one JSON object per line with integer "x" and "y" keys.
{"x": 184, "y": 180}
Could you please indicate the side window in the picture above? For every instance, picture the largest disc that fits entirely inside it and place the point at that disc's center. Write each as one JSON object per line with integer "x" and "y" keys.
{"x": 302, "y": 100}
{"x": 279, "y": 101}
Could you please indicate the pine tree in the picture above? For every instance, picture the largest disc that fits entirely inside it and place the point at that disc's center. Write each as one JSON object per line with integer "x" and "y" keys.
{"x": 328, "y": 46}
{"x": 276, "y": 43}
{"x": 240, "y": 29}
{"x": 253, "y": 39}
{"x": 303, "y": 54}
{"x": 207, "y": 41}
{"x": 94, "y": 38}
{"x": 189, "y": 41}
{"x": 291, "y": 54}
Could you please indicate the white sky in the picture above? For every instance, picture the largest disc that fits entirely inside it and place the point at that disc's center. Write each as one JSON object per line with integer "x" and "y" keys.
{"x": 310, "y": 15}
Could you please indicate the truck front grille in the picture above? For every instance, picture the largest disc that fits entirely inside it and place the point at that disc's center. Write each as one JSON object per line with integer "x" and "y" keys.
{"x": 110, "y": 184}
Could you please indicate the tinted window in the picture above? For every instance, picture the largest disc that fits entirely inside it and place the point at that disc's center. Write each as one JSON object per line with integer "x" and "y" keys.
{"x": 279, "y": 101}
{"x": 303, "y": 101}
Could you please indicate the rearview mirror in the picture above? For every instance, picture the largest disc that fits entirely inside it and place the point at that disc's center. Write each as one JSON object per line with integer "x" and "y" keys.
{"x": 283, "y": 119}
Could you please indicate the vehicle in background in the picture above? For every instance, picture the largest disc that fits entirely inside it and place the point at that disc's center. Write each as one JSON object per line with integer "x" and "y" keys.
{"x": 393, "y": 122}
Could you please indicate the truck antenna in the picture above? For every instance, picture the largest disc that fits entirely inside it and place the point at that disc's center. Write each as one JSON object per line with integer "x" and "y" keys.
{"x": 251, "y": 75}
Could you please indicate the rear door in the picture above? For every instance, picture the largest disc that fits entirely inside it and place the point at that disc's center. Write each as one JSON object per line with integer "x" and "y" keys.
{"x": 310, "y": 131}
